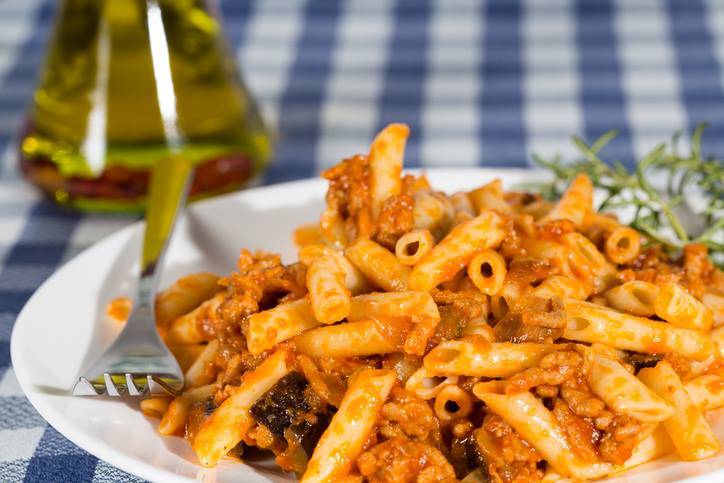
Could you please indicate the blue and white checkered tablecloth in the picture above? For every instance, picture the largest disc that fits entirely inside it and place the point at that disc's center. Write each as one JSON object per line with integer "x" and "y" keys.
{"x": 480, "y": 83}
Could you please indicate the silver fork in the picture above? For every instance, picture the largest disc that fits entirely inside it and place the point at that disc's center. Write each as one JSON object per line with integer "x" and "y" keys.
{"x": 138, "y": 361}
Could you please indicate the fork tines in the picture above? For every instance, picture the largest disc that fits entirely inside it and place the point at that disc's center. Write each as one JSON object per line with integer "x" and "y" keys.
{"x": 153, "y": 385}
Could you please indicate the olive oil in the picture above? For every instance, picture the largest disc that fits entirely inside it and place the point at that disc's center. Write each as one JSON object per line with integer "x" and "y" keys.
{"x": 118, "y": 73}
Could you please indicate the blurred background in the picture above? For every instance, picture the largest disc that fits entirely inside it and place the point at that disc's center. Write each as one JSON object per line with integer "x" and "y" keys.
{"x": 480, "y": 84}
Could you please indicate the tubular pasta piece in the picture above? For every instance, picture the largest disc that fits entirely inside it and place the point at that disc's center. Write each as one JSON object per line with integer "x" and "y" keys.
{"x": 227, "y": 425}
{"x": 355, "y": 281}
{"x": 174, "y": 419}
{"x": 587, "y": 262}
{"x": 623, "y": 245}
{"x": 186, "y": 329}
{"x": 623, "y": 392}
{"x": 691, "y": 435}
{"x": 482, "y": 359}
{"x": 184, "y": 295}
{"x": 328, "y": 294}
{"x": 360, "y": 338}
{"x": 270, "y": 327}
{"x": 530, "y": 418}
{"x": 575, "y": 203}
{"x": 413, "y": 245}
{"x": 593, "y": 323}
{"x": 349, "y": 430}
{"x": 200, "y": 372}
{"x": 635, "y": 297}
{"x": 715, "y": 301}
{"x": 675, "y": 305}
{"x": 561, "y": 287}
{"x": 707, "y": 391}
{"x": 427, "y": 385}
{"x": 456, "y": 250}
{"x": 461, "y": 203}
{"x": 418, "y": 306}
{"x": 386, "y": 159}
{"x": 487, "y": 271}
{"x": 331, "y": 225}
{"x": 490, "y": 197}
{"x": 434, "y": 212}
{"x": 655, "y": 445}
{"x": 452, "y": 403}
{"x": 378, "y": 264}
{"x": 717, "y": 335}
{"x": 155, "y": 407}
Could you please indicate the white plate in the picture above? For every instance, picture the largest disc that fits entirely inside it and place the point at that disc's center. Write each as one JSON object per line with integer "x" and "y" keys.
{"x": 62, "y": 327}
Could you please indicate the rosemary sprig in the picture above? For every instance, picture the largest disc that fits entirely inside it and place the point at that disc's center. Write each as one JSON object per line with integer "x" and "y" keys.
{"x": 656, "y": 212}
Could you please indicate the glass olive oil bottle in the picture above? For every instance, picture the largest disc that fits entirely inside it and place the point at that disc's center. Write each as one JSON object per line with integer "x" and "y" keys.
{"x": 118, "y": 73}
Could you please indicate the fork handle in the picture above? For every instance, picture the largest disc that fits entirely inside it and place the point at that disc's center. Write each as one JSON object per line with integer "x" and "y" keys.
{"x": 170, "y": 180}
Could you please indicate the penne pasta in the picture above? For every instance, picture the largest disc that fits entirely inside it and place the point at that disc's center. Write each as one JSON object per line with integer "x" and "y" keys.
{"x": 379, "y": 265}
{"x": 174, "y": 418}
{"x": 328, "y": 293}
{"x": 355, "y": 281}
{"x": 432, "y": 212}
{"x": 715, "y": 301}
{"x": 360, "y": 338}
{"x": 530, "y": 418}
{"x": 456, "y": 250}
{"x": 483, "y": 359}
{"x": 185, "y": 295}
{"x": 706, "y": 391}
{"x": 427, "y": 385}
{"x": 419, "y": 307}
{"x": 575, "y": 203}
{"x": 675, "y": 305}
{"x": 270, "y": 327}
{"x": 386, "y": 157}
{"x": 331, "y": 226}
{"x": 155, "y": 407}
{"x": 654, "y": 446}
{"x": 624, "y": 392}
{"x": 588, "y": 322}
{"x": 228, "y": 424}
{"x": 202, "y": 371}
{"x": 561, "y": 287}
{"x": 452, "y": 403}
{"x": 623, "y": 245}
{"x": 487, "y": 271}
{"x": 414, "y": 245}
{"x": 462, "y": 204}
{"x": 635, "y": 297}
{"x": 690, "y": 434}
{"x": 187, "y": 328}
{"x": 490, "y": 197}
{"x": 587, "y": 263}
{"x": 349, "y": 430}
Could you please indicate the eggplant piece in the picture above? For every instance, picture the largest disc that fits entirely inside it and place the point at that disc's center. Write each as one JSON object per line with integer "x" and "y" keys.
{"x": 308, "y": 433}
{"x": 466, "y": 457}
{"x": 639, "y": 360}
{"x": 283, "y": 404}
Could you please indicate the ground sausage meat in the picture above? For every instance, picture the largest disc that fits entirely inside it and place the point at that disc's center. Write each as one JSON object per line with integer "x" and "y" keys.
{"x": 402, "y": 460}
{"x": 406, "y": 415}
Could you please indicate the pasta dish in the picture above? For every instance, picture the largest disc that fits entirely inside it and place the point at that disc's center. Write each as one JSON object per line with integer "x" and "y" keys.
{"x": 484, "y": 335}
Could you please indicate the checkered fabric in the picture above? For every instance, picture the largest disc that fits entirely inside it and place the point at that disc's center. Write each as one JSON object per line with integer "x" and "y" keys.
{"x": 480, "y": 83}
